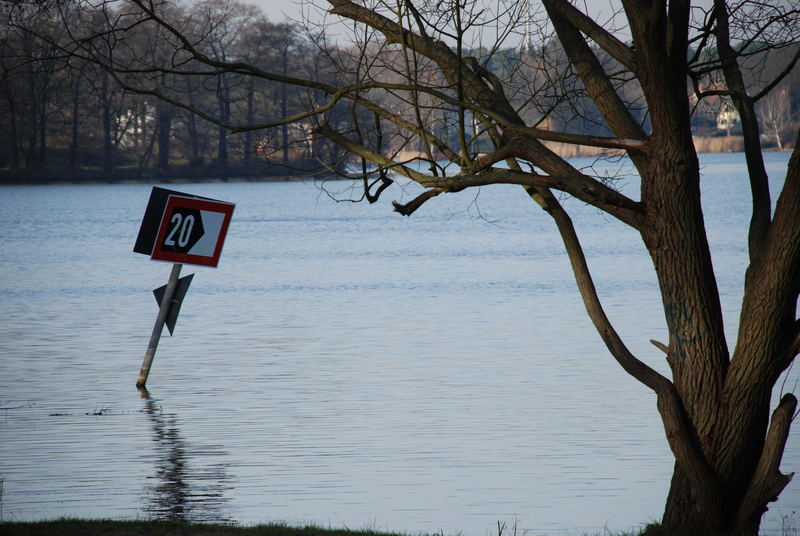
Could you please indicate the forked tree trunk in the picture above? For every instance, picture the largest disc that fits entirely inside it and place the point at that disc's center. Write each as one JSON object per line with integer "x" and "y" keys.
{"x": 743, "y": 502}
{"x": 687, "y": 513}
{"x": 726, "y": 402}
{"x": 715, "y": 411}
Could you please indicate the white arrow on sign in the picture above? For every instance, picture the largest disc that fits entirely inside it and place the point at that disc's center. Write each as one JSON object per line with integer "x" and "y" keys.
{"x": 212, "y": 224}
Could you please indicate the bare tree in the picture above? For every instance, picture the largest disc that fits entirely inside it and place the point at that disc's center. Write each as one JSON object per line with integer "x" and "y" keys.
{"x": 419, "y": 93}
{"x": 28, "y": 80}
{"x": 776, "y": 115}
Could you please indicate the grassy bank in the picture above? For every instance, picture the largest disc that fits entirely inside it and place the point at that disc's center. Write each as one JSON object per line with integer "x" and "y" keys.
{"x": 104, "y": 527}
{"x": 79, "y": 527}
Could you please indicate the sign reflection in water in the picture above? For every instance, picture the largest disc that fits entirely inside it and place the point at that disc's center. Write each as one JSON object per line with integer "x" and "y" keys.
{"x": 189, "y": 484}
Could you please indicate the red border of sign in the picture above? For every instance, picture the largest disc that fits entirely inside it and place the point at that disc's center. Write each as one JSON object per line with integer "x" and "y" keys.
{"x": 199, "y": 204}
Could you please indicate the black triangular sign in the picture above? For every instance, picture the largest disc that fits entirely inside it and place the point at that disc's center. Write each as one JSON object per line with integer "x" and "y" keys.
{"x": 177, "y": 300}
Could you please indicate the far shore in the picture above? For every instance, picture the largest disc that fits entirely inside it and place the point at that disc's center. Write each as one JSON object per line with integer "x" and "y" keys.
{"x": 61, "y": 178}
{"x": 182, "y": 174}
{"x": 175, "y": 175}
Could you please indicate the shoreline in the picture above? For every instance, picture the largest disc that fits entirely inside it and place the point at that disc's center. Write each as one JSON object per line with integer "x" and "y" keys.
{"x": 56, "y": 176}
{"x": 108, "y": 527}
{"x": 39, "y": 179}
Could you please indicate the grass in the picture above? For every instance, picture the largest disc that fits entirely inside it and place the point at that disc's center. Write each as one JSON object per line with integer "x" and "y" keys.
{"x": 104, "y": 527}
{"x": 81, "y": 527}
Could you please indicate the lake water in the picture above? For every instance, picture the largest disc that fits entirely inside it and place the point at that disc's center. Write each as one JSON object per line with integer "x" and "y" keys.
{"x": 344, "y": 365}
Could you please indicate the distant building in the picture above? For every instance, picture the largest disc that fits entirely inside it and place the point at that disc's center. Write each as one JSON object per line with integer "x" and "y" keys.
{"x": 727, "y": 118}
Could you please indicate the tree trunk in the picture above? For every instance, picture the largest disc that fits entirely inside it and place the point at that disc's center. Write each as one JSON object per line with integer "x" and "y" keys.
{"x": 222, "y": 148}
{"x": 190, "y": 119}
{"x": 108, "y": 151}
{"x": 41, "y": 158}
{"x": 31, "y": 121}
{"x": 697, "y": 350}
{"x": 248, "y": 136}
{"x": 108, "y": 156}
{"x": 164, "y": 135}
{"x": 194, "y": 140}
{"x": 224, "y": 103}
{"x": 725, "y": 401}
{"x": 32, "y": 126}
{"x": 743, "y": 502}
{"x": 285, "y": 108}
{"x": 44, "y": 101}
{"x": 15, "y": 149}
{"x": 144, "y": 160}
{"x": 73, "y": 146}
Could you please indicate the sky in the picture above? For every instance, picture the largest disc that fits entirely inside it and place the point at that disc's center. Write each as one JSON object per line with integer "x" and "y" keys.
{"x": 277, "y": 9}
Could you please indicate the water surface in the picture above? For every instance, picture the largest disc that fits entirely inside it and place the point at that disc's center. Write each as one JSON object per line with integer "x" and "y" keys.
{"x": 344, "y": 365}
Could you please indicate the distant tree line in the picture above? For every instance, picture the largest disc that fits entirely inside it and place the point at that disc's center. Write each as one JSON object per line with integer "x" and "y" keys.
{"x": 62, "y": 112}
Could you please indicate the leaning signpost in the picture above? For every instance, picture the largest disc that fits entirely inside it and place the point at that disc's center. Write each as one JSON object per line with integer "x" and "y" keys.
{"x": 182, "y": 229}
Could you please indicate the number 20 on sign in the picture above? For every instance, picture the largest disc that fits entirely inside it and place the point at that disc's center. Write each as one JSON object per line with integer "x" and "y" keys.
{"x": 192, "y": 231}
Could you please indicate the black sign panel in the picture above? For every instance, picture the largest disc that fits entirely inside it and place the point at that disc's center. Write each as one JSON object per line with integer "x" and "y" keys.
{"x": 152, "y": 218}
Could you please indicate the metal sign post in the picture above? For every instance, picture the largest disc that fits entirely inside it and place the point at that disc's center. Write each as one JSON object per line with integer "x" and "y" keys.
{"x": 182, "y": 229}
{"x": 163, "y": 311}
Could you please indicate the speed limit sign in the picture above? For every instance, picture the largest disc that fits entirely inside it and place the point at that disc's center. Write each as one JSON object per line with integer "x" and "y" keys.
{"x": 192, "y": 231}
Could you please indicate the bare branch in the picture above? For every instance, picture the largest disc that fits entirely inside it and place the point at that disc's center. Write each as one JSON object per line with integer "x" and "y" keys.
{"x": 678, "y": 34}
{"x": 635, "y": 146}
{"x": 608, "y": 42}
{"x": 660, "y": 345}
{"x": 794, "y": 349}
{"x": 768, "y": 482}
{"x": 409, "y": 208}
{"x": 593, "y": 76}
{"x": 360, "y": 150}
{"x": 777, "y": 80}
{"x": 417, "y": 17}
{"x": 584, "y": 188}
{"x": 451, "y": 65}
{"x": 594, "y": 308}
{"x": 385, "y": 183}
{"x": 680, "y": 439}
{"x": 581, "y": 186}
{"x": 759, "y": 184}
{"x": 773, "y": 287}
